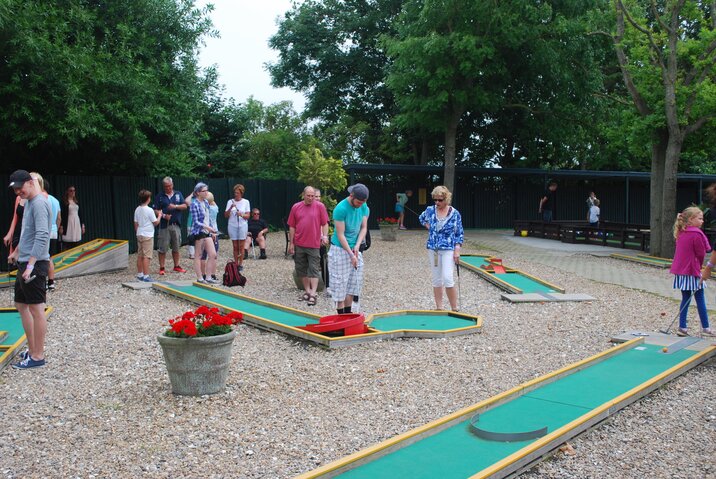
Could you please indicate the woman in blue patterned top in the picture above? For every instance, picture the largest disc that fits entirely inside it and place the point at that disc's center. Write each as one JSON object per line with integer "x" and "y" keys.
{"x": 445, "y": 237}
{"x": 202, "y": 230}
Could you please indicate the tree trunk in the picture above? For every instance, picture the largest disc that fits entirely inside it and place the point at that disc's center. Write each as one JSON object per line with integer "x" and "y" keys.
{"x": 415, "y": 154}
{"x": 656, "y": 190}
{"x": 668, "y": 205}
{"x": 424, "y": 152}
{"x": 508, "y": 159}
{"x": 450, "y": 141}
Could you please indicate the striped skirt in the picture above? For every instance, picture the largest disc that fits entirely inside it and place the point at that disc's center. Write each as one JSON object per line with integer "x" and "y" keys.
{"x": 688, "y": 283}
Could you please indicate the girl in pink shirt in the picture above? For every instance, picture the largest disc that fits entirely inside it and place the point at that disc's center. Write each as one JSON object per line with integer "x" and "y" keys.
{"x": 691, "y": 248}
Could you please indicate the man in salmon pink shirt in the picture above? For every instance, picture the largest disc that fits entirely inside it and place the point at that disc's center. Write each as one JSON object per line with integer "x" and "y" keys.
{"x": 308, "y": 229}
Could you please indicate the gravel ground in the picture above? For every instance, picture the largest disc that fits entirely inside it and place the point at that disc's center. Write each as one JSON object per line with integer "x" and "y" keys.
{"x": 102, "y": 406}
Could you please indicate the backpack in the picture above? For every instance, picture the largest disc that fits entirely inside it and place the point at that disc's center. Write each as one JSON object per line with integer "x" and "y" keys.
{"x": 232, "y": 275}
{"x": 366, "y": 242}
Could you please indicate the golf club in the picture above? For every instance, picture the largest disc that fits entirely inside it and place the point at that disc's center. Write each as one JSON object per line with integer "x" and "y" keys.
{"x": 459, "y": 295}
{"x": 411, "y": 211}
{"x": 666, "y": 331}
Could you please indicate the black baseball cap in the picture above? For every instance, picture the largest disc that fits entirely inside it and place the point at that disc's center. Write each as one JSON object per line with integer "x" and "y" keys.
{"x": 359, "y": 191}
{"x": 18, "y": 178}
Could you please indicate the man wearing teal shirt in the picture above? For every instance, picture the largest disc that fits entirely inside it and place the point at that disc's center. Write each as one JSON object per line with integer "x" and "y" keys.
{"x": 345, "y": 261}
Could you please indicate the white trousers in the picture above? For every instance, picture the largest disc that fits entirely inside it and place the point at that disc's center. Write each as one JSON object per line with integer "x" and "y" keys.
{"x": 442, "y": 265}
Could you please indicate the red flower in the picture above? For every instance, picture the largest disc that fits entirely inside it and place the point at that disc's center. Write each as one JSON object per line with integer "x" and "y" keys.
{"x": 235, "y": 317}
{"x": 204, "y": 321}
{"x": 184, "y": 327}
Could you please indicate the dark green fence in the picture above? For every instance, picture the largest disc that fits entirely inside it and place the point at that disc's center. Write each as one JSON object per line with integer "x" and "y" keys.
{"x": 107, "y": 203}
{"x": 487, "y": 198}
{"x": 495, "y": 197}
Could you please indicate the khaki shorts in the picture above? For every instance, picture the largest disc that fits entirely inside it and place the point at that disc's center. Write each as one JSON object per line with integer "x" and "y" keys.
{"x": 308, "y": 262}
{"x": 171, "y": 235}
{"x": 145, "y": 246}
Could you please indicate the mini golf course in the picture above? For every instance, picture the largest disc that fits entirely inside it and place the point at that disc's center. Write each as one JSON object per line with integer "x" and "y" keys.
{"x": 505, "y": 434}
{"x": 520, "y": 287}
{"x": 12, "y": 336}
{"x": 96, "y": 256}
{"x": 644, "y": 259}
{"x": 274, "y": 317}
{"x": 509, "y": 279}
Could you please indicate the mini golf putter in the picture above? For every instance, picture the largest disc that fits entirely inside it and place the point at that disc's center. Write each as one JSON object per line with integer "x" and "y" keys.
{"x": 30, "y": 279}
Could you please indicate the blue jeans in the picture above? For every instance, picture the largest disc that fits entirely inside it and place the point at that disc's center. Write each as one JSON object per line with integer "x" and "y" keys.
{"x": 700, "y": 306}
{"x": 547, "y": 216}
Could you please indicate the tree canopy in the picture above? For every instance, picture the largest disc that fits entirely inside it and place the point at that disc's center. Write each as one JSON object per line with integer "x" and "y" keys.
{"x": 101, "y": 86}
{"x": 667, "y": 56}
{"x": 515, "y": 83}
{"x": 97, "y": 87}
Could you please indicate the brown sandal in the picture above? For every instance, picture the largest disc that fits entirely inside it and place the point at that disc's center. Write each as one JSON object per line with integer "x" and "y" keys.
{"x": 304, "y": 297}
{"x": 312, "y": 300}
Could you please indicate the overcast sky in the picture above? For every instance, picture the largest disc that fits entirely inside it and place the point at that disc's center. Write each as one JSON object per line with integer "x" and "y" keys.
{"x": 242, "y": 50}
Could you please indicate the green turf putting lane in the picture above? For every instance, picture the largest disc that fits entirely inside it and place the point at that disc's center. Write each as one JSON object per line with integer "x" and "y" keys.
{"x": 525, "y": 283}
{"x": 14, "y": 335}
{"x": 475, "y": 261}
{"x": 10, "y": 321}
{"x": 6, "y": 280}
{"x": 448, "y": 449}
{"x": 513, "y": 281}
{"x": 610, "y": 378}
{"x": 656, "y": 259}
{"x": 274, "y": 317}
{"x": 247, "y": 306}
{"x": 417, "y": 321}
{"x": 644, "y": 259}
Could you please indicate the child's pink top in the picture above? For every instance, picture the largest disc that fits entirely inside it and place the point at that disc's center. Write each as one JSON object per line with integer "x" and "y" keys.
{"x": 691, "y": 248}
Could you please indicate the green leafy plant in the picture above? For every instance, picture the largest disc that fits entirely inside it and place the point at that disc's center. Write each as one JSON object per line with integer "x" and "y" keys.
{"x": 326, "y": 174}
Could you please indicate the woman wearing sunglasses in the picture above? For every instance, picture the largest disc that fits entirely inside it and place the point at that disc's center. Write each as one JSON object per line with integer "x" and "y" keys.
{"x": 445, "y": 238}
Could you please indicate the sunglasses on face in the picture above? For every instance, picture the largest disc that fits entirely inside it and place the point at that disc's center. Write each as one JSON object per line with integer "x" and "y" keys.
{"x": 438, "y": 200}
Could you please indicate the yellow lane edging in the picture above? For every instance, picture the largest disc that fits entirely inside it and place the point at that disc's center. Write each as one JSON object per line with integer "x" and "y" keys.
{"x": 515, "y": 391}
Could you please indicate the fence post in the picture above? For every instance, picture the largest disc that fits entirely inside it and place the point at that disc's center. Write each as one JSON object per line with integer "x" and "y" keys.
{"x": 626, "y": 201}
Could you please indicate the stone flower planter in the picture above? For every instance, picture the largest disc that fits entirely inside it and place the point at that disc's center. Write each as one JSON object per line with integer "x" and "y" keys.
{"x": 199, "y": 365}
{"x": 388, "y": 232}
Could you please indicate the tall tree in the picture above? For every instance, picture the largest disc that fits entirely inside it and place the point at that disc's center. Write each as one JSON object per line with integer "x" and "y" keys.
{"x": 667, "y": 53}
{"x": 274, "y": 141}
{"x": 101, "y": 86}
{"x": 329, "y": 50}
{"x": 512, "y": 65}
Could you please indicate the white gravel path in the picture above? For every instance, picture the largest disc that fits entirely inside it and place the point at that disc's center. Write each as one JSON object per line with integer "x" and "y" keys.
{"x": 102, "y": 406}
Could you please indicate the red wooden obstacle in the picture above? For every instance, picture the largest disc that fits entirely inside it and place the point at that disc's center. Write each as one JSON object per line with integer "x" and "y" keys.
{"x": 495, "y": 265}
{"x": 350, "y": 324}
